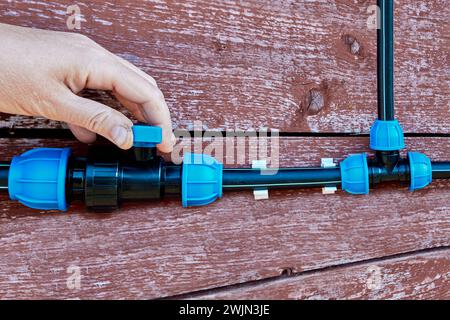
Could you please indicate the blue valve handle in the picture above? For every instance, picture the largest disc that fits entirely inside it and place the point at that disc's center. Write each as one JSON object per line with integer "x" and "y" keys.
{"x": 145, "y": 136}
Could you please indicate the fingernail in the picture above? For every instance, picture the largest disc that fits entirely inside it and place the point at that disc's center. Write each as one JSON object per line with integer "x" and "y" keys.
{"x": 120, "y": 135}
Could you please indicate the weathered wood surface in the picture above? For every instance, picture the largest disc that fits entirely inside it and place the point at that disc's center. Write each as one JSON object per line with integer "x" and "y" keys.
{"x": 297, "y": 66}
{"x": 416, "y": 276}
{"x": 160, "y": 250}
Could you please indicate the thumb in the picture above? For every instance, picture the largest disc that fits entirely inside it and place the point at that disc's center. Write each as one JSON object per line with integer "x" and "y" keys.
{"x": 98, "y": 118}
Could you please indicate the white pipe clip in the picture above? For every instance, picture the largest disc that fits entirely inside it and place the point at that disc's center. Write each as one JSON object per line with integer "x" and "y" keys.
{"x": 260, "y": 194}
{"x": 328, "y": 163}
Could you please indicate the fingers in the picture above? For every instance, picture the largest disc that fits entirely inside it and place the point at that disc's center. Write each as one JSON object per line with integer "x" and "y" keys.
{"x": 137, "y": 92}
{"x": 86, "y": 115}
{"x": 135, "y": 108}
{"x": 137, "y": 70}
{"x": 82, "y": 134}
{"x": 138, "y": 112}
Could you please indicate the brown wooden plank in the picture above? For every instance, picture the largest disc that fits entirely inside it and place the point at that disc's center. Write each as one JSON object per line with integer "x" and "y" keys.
{"x": 231, "y": 64}
{"x": 416, "y": 276}
{"x": 160, "y": 249}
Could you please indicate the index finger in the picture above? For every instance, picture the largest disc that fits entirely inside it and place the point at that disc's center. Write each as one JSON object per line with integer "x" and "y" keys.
{"x": 110, "y": 74}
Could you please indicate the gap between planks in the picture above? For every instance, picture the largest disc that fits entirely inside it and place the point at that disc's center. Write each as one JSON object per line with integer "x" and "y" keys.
{"x": 65, "y": 134}
{"x": 288, "y": 274}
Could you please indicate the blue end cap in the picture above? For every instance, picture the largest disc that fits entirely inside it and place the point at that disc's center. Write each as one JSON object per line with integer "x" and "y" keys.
{"x": 386, "y": 136}
{"x": 421, "y": 170}
{"x": 355, "y": 174}
{"x": 37, "y": 178}
{"x": 201, "y": 180}
{"x": 146, "y": 136}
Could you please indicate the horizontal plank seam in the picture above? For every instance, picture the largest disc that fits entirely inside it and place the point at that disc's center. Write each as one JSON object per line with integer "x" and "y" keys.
{"x": 41, "y": 133}
{"x": 287, "y": 275}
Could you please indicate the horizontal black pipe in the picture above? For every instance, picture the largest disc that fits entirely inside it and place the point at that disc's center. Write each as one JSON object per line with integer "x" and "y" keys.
{"x": 239, "y": 179}
{"x": 441, "y": 170}
{"x": 66, "y": 134}
{"x": 242, "y": 179}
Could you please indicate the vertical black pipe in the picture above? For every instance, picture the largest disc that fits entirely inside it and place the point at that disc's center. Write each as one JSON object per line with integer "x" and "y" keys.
{"x": 4, "y": 172}
{"x": 385, "y": 61}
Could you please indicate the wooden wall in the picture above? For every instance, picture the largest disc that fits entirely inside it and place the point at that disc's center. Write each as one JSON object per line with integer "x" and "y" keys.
{"x": 300, "y": 67}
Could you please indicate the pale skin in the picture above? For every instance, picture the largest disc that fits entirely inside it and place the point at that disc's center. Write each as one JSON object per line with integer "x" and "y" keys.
{"x": 42, "y": 72}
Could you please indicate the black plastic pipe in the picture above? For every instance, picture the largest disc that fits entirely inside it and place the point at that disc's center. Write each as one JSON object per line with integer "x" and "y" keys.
{"x": 385, "y": 60}
{"x": 441, "y": 170}
{"x": 90, "y": 182}
{"x": 4, "y": 172}
{"x": 241, "y": 179}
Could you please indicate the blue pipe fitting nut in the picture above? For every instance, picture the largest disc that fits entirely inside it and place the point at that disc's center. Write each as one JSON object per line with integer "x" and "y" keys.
{"x": 355, "y": 174}
{"x": 37, "y": 178}
{"x": 387, "y": 136}
{"x": 421, "y": 170}
{"x": 201, "y": 182}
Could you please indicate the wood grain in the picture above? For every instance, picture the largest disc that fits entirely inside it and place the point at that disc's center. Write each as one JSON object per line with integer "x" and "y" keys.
{"x": 417, "y": 276}
{"x": 297, "y": 66}
{"x": 159, "y": 250}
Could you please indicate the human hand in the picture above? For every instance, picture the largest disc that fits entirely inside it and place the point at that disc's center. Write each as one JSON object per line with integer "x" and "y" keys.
{"x": 41, "y": 73}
